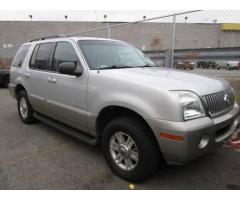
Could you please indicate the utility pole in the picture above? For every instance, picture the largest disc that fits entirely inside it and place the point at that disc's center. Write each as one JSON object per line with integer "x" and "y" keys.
{"x": 66, "y": 17}
{"x": 143, "y": 34}
{"x": 108, "y": 28}
{"x": 173, "y": 40}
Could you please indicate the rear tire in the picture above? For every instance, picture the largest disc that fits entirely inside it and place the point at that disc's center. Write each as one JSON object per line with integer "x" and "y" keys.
{"x": 147, "y": 156}
{"x": 25, "y": 109}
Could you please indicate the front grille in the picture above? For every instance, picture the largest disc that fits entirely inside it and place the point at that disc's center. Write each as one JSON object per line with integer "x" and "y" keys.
{"x": 219, "y": 103}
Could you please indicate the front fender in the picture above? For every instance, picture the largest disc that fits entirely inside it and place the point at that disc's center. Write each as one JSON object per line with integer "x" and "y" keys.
{"x": 146, "y": 101}
{"x": 129, "y": 101}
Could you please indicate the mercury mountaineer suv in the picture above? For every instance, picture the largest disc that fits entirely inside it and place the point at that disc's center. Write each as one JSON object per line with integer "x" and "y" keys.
{"x": 102, "y": 90}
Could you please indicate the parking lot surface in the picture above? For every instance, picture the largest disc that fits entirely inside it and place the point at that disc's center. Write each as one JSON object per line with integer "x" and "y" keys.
{"x": 40, "y": 157}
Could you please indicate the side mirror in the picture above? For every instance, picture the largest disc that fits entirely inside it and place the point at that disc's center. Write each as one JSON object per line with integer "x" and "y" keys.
{"x": 70, "y": 69}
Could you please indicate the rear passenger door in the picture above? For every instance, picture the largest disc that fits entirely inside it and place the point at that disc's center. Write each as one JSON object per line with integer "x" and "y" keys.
{"x": 66, "y": 94}
{"x": 36, "y": 75}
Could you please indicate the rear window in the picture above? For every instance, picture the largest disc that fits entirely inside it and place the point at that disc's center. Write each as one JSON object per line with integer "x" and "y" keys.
{"x": 41, "y": 56}
{"x": 20, "y": 56}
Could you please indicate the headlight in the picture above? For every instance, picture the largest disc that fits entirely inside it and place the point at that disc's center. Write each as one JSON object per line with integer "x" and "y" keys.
{"x": 190, "y": 103}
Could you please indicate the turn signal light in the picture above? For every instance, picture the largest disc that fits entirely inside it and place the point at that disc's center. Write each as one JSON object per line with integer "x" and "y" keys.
{"x": 171, "y": 137}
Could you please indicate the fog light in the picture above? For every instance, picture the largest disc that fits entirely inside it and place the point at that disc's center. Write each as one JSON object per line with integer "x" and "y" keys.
{"x": 203, "y": 141}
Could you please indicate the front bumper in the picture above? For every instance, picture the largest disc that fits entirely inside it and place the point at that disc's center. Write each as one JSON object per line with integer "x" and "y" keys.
{"x": 201, "y": 136}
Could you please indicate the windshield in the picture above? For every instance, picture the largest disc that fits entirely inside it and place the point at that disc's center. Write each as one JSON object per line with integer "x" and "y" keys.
{"x": 101, "y": 54}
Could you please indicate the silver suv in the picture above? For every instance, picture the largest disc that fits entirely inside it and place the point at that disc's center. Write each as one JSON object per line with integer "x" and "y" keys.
{"x": 101, "y": 90}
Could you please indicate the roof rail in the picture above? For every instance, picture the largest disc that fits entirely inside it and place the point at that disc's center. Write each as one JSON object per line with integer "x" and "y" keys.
{"x": 47, "y": 37}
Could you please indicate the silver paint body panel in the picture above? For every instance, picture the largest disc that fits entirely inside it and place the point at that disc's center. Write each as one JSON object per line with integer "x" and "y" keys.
{"x": 77, "y": 101}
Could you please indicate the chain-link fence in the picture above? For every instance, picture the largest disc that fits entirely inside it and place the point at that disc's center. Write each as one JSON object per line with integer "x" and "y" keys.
{"x": 200, "y": 39}
{"x": 185, "y": 40}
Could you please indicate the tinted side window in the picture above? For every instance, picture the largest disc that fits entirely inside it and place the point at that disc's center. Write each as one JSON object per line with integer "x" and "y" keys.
{"x": 34, "y": 54}
{"x": 42, "y": 56}
{"x": 20, "y": 56}
{"x": 64, "y": 52}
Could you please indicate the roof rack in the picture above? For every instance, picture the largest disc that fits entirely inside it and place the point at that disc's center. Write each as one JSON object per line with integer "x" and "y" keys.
{"x": 47, "y": 37}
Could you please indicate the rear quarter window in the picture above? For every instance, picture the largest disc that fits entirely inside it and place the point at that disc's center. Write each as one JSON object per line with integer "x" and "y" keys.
{"x": 20, "y": 56}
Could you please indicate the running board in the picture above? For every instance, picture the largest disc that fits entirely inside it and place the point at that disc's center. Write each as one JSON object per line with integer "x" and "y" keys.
{"x": 66, "y": 129}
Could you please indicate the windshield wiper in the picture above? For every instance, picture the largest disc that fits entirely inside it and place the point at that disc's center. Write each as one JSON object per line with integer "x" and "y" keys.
{"x": 115, "y": 67}
{"x": 148, "y": 65}
{"x": 125, "y": 66}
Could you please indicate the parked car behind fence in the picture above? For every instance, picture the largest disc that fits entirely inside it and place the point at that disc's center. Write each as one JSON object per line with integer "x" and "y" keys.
{"x": 228, "y": 65}
{"x": 206, "y": 64}
{"x": 184, "y": 65}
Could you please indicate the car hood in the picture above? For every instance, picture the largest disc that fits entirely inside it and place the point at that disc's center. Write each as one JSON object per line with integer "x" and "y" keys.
{"x": 171, "y": 79}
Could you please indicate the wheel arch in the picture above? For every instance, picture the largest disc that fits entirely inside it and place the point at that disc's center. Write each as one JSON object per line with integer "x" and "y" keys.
{"x": 109, "y": 113}
{"x": 18, "y": 88}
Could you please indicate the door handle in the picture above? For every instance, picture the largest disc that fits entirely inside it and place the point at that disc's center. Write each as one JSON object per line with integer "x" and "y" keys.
{"x": 27, "y": 75}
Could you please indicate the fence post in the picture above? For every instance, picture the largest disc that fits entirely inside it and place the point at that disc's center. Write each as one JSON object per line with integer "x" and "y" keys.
{"x": 173, "y": 40}
{"x": 167, "y": 58}
{"x": 109, "y": 31}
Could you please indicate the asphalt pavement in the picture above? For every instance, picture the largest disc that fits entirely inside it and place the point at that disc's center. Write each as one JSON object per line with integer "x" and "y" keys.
{"x": 40, "y": 157}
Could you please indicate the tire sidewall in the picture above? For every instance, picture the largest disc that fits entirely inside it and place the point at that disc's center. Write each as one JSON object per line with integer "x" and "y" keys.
{"x": 29, "y": 118}
{"x": 139, "y": 173}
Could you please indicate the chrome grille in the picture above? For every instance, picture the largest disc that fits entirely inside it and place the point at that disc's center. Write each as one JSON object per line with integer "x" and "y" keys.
{"x": 219, "y": 103}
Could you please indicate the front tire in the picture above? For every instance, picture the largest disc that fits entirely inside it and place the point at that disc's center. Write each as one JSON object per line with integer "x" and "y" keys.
{"x": 130, "y": 149}
{"x": 25, "y": 109}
